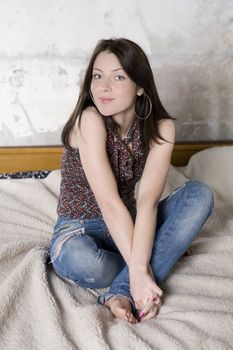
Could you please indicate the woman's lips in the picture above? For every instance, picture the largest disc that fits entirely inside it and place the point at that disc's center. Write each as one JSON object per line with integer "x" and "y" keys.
{"x": 106, "y": 100}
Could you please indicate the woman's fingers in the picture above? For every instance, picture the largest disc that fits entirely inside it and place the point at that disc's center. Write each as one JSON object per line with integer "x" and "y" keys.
{"x": 147, "y": 308}
{"x": 149, "y": 305}
{"x": 156, "y": 287}
{"x": 139, "y": 305}
{"x": 158, "y": 291}
{"x": 152, "y": 313}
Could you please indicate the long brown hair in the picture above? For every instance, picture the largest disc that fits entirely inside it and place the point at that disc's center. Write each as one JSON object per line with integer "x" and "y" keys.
{"x": 136, "y": 65}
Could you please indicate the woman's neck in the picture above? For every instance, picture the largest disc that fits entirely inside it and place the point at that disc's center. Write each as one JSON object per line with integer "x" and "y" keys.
{"x": 124, "y": 123}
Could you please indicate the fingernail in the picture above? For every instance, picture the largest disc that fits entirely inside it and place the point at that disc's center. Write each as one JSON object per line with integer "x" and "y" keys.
{"x": 141, "y": 314}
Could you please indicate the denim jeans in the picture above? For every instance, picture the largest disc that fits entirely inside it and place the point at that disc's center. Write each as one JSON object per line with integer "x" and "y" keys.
{"x": 83, "y": 252}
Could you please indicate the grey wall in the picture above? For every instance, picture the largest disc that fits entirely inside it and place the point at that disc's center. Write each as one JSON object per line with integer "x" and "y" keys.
{"x": 45, "y": 46}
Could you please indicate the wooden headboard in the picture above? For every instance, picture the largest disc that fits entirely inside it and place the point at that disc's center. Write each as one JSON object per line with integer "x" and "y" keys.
{"x": 13, "y": 159}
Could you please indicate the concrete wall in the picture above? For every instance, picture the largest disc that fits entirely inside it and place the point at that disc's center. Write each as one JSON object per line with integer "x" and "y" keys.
{"x": 45, "y": 46}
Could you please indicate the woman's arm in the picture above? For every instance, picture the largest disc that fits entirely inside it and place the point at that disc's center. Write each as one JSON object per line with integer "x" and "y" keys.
{"x": 150, "y": 190}
{"x": 91, "y": 141}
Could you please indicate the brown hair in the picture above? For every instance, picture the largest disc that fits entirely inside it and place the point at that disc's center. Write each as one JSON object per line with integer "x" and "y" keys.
{"x": 136, "y": 65}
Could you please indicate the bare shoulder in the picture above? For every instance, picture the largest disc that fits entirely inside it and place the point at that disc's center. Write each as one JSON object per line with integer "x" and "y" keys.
{"x": 167, "y": 130}
{"x": 91, "y": 112}
{"x": 91, "y": 127}
{"x": 91, "y": 119}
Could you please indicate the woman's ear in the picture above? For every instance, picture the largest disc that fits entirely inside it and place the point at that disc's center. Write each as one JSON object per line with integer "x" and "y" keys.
{"x": 140, "y": 91}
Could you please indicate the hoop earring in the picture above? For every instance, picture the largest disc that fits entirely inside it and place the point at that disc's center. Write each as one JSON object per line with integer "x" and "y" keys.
{"x": 150, "y": 109}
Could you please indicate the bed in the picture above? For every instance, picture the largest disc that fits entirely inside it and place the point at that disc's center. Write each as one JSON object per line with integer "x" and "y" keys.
{"x": 40, "y": 311}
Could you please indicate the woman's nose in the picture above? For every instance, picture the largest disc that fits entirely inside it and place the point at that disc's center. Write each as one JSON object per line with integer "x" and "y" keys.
{"x": 106, "y": 85}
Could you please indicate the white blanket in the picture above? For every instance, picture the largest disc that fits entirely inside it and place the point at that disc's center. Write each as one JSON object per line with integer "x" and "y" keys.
{"x": 40, "y": 311}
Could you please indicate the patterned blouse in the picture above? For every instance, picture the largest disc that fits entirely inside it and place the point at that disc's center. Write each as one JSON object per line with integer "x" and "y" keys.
{"x": 77, "y": 200}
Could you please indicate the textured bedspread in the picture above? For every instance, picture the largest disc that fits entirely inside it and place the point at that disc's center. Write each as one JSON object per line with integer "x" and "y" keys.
{"x": 40, "y": 311}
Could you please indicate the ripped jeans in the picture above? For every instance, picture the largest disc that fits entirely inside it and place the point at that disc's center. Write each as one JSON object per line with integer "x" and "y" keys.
{"x": 83, "y": 252}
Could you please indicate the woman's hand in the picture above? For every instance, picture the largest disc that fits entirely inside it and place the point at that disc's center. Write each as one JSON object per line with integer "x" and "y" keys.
{"x": 145, "y": 292}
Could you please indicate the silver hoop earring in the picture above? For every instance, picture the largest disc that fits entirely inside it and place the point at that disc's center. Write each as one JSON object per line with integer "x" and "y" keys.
{"x": 150, "y": 109}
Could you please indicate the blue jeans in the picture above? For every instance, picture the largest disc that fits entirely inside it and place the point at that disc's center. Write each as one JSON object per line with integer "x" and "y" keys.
{"x": 82, "y": 251}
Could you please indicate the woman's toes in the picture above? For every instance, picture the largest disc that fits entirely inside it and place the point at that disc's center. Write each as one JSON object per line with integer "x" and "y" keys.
{"x": 131, "y": 319}
{"x": 121, "y": 308}
{"x": 124, "y": 314}
{"x": 120, "y": 312}
{"x": 149, "y": 316}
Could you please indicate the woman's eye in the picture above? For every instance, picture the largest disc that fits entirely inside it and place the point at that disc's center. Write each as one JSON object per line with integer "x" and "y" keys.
{"x": 120, "y": 77}
{"x": 96, "y": 76}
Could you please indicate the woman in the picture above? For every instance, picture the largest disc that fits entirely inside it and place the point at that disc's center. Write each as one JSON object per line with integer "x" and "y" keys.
{"x": 119, "y": 133}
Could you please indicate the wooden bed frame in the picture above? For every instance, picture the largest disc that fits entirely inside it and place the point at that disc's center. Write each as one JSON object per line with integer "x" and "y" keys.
{"x": 14, "y": 159}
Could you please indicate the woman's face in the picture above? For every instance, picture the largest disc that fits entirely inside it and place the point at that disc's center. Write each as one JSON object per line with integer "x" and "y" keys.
{"x": 113, "y": 91}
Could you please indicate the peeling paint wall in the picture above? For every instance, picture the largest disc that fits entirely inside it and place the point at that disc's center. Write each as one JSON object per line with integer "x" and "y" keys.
{"x": 45, "y": 46}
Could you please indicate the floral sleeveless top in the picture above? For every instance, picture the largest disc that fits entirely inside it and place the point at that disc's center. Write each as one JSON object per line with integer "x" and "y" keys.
{"x": 76, "y": 200}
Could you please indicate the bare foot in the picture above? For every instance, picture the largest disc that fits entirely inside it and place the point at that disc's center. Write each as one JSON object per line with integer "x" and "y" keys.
{"x": 121, "y": 308}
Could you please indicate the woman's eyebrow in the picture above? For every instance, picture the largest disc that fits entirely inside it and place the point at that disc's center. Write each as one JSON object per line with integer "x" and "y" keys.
{"x": 113, "y": 70}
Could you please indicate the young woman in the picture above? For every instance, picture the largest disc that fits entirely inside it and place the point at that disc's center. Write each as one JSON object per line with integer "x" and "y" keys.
{"x": 119, "y": 133}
